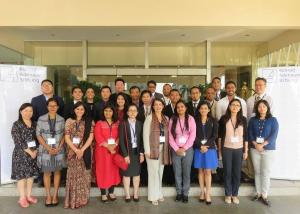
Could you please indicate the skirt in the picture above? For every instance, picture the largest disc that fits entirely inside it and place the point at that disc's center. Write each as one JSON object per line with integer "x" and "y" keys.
{"x": 208, "y": 160}
{"x": 134, "y": 168}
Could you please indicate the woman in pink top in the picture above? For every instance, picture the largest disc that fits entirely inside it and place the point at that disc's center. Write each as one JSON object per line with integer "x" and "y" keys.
{"x": 182, "y": 133}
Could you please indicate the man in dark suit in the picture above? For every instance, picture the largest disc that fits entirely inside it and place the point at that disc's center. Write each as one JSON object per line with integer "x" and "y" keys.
{"x": 216, "y": 84}
{"x": 175, "y": 96}
{"x": 105, "y": 93}
{"x": 77, "y": 95}
{"x": 39, "y": 102}
{"x": 135, "y": 93}
{"x": 194, "y": 103}
{"x": 119, "y": 87}
{"x": 151, "y": 84}
{"x": 145, "y": 108}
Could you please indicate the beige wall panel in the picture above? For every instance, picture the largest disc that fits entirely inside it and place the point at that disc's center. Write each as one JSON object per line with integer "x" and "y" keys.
{"x": 150, "y": 13}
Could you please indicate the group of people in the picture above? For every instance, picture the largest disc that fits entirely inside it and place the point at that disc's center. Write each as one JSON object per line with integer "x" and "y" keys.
{"x": 148, "y": 131}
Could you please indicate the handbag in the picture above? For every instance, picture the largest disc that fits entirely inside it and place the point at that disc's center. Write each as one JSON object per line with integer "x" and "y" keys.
{"x": 118, "y": 159}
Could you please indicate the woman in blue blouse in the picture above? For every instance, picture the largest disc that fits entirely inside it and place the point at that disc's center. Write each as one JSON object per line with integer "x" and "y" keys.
{"x": 262, "y": 131}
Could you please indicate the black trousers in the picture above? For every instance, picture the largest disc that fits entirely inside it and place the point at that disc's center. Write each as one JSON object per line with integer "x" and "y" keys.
{"x": 110, "y": 190}
{"x": 232, "y": 163}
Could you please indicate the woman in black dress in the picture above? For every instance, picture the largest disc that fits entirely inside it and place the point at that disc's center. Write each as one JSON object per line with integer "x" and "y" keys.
{"x": 24, "y": 164}
{"x": 131, "y": 145}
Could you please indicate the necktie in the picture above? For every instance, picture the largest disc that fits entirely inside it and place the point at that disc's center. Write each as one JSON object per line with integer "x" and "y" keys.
{"x": 195, "y": 106}
{"x": 257, "y": 98}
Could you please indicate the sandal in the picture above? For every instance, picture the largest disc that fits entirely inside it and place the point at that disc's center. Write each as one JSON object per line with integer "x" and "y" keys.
{"x": 155, "y": 203}
{"x": 32, "y": 200}
{"x": 23, "y": 203}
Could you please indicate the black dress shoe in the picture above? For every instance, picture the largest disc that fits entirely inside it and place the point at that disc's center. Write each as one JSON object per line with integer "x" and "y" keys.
{"x": 178, "y": 197}
{"x": 208, "y": 202}
{"x": 48, "y": 205}
{"x": 185, "y": 199}
{"x": 256, "y": 198}
{"x": 201, "y": 200}
{"x": 266, "y": 202}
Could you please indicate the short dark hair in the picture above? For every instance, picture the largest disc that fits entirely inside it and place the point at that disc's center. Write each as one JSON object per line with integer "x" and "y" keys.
{"x": 146, "y": 92}
{"x": 130, "y": 105}
{"x": 115, "y": 114}
{"x": 22, "y": 107}
{"x": 76, "y": 87}
{"x": 230, "y": 82}
{"x": 52, "y": 100}
{"x": 257, "y": 114}
{"x": 195, "y": 87}
{"x": 104, "y": 87}
{"x": 261, "y": 78}
{"x": 119, "y": 79}
{"x": 151, "y": 82}
{"x": 47, "y": 80}
{"x": 216, "y": 78}
{"x": 134, "y": 87}
{"x": 175, "y": 90}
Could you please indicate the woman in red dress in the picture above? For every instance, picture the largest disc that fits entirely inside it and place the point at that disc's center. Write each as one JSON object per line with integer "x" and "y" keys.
{"x": 107, "y": 145}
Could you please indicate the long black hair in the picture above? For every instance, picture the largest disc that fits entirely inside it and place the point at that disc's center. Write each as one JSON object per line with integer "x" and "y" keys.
{"x": 202, "y": 103}
{"x": 257, "y": 114}
{"x": 239, "y": 117}
{"x": 22, "y": 107}
{"x": 76, "y": 105}
{"x": 115, "y": 114}
{"x": 175, "y": 119}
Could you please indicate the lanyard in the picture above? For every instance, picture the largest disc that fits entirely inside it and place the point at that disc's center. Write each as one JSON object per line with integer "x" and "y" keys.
{"x": 133, "y": 131}
{"x": 261, "y": 124}
{"x": 182, "y": 129}
{"x": 161, "y": 129}
{"x": 52, "y": 124}
{"x": 110, "y": 129}
{"x": 234, "y": 128}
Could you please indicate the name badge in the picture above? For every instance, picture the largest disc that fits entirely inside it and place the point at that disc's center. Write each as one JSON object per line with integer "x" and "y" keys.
{"x": 234, "y": 139}
{"x": 51, "y": 141}
{"x": 260, "y": 140}
{"x": 162, "y": 139}
{"x": 111, "y": 141}
{"x": 31, "y": 144}
{"x": 76, "y": 140}
{"x": 203, "y": 141}
{"x": 182, "y": 140}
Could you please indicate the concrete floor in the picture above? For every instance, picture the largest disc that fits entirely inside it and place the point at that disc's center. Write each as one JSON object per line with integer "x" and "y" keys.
{"x": 280, "y": 205}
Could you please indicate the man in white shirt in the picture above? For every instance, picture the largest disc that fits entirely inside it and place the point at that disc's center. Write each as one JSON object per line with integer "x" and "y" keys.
{"x": 222, "y": 104}
{"x": 260, "y": 94}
